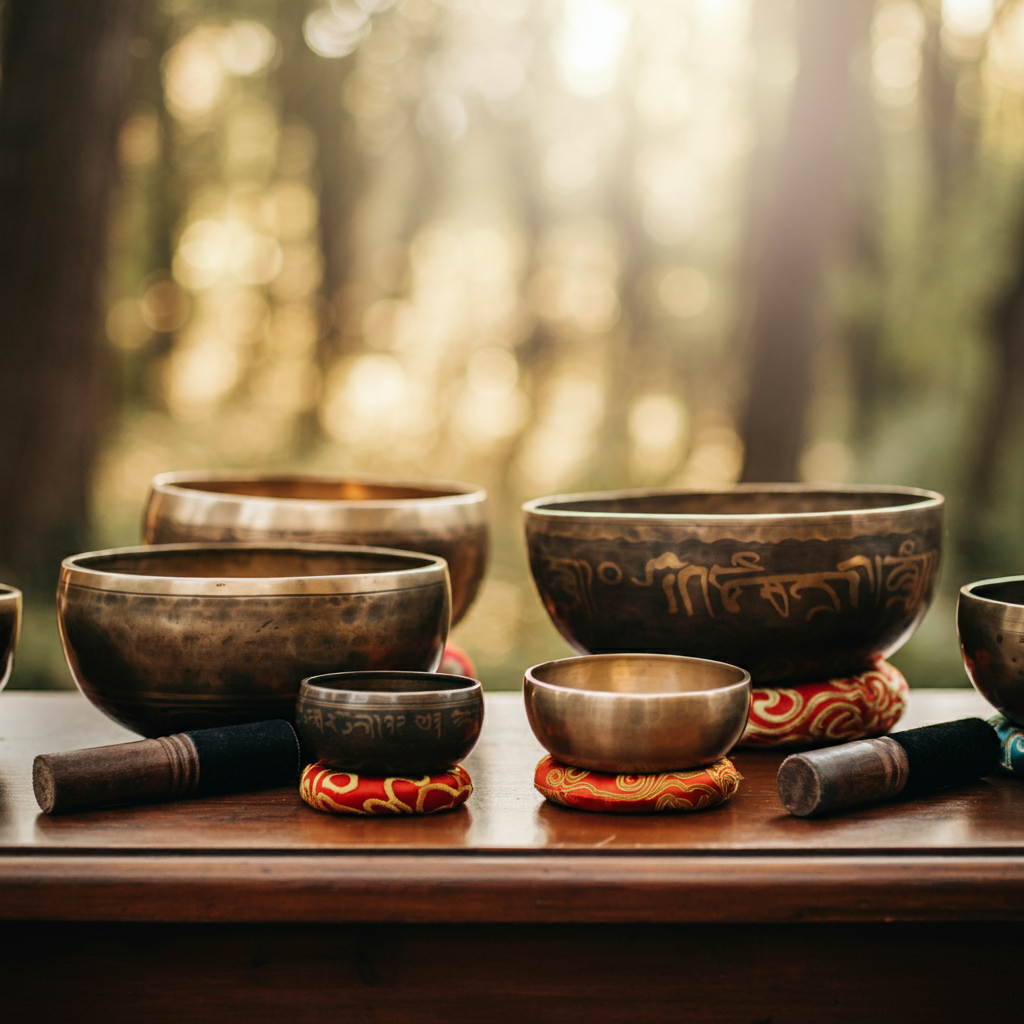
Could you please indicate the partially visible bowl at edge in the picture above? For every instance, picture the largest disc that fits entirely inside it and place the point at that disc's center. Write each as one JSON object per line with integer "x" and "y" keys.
{"x": 990, "y": 624}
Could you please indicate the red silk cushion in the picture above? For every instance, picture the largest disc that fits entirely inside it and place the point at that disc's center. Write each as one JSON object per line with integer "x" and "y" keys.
{"x": 690, "y": 790}
{"x": 327, "y": 789}
{"x": 817, "y": 714}
{"x": 456, "y": 662}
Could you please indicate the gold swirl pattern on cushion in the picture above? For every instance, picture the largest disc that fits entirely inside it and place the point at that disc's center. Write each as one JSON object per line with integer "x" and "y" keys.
{"x": 817, "y": 714}
{"x": 691, "y": 790}
{"x": 327, "y": 789}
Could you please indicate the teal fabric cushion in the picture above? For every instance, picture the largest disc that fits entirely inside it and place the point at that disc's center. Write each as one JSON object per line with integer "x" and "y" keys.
{"x": 1011, "y": 738}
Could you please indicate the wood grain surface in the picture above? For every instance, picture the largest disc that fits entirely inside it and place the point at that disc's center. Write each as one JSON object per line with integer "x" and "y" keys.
{"x": 507, "y": 856}
{"x": 258, "y": 909}
{"x": 505, "y": 812}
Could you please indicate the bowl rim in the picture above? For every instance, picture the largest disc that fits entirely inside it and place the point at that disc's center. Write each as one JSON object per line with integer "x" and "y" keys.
{"x": 176, "y": 484}
{"x": 927, "y": 499}
{"x": 9, "y": 593}
{"x": 413, "y": 577}
{"x": 743, "y": 682}
{"x": 309, "y": 688}
{"x": 967, "y": 590}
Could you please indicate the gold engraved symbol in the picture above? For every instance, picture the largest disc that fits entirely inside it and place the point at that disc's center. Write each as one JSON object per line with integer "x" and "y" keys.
{"x": 680, "y": 579}
{"x": 909, "y": 576}
{"x": 429, "y": 721}
{"x": 572, "y": 577}
{"x": 465, "y": 720}
{"x": 778, "y": 589}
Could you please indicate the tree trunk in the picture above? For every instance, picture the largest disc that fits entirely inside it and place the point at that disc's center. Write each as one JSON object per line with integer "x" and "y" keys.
{"x": 1004, "y": 397}
{"x": 800, "y": 228}
{"x": 65, "y": 81}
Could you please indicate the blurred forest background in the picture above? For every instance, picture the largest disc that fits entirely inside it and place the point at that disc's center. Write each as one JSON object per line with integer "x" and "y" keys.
{"x": 541, "y": 245}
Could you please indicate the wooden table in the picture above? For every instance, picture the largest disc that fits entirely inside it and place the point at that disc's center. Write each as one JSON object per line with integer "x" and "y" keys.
{"x": 256, "y": 908}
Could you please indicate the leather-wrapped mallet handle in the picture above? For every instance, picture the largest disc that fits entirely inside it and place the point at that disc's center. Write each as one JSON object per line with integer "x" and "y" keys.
{"x": 199, "y": 763}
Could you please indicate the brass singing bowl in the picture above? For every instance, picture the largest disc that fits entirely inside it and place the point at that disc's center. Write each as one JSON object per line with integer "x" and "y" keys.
{"x": 10, "y": 628}
{"x": 185, "y": 636}
{"x": 389, "y": 723}
{"x": 793, "y": 582}
{"x": 444, "y": 519}
{"x": 990, "y": 622}
{"x": 639, "y": 713}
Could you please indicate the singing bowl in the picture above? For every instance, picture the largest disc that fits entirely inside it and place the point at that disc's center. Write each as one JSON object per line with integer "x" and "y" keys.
{"x": 639, "y": 713}
{"x": 444, "y": 519}
{"x": 10, "y": 628}
{"x": 795, "y": 583}
{"x": 185, "y": 636}
{"x": 389, "y": 723}
{"x": 990, "y": 621}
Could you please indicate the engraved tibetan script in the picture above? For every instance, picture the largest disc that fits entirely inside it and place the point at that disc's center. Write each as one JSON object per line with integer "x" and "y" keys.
{"x": 569, "y": 580}
{"x": 901, "y": 579}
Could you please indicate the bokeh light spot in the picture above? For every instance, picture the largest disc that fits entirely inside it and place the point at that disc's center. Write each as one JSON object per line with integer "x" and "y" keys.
{"x": 246, "y": 47}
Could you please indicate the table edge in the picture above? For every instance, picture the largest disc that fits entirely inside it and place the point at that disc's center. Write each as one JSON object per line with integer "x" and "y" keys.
{"x": 431, "y": 888}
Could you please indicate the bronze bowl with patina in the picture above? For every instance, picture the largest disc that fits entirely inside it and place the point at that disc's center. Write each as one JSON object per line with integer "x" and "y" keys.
{"x": 990, "y": 622}
{"x": 444, "y": 519}
{"x": 10, "y": 627}
{"x": 637, "y": 713}
{"x": 795, "y": 583}
{"x": 389, "y": 723}
{"x": 185, "y": 636}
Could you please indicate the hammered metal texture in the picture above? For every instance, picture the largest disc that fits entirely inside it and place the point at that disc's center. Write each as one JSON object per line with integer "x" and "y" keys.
{"x": 389, "y": 723}
{"x": 228, "y": 635}
{"x": 794, "y": 583}
{"x": 990, "y": 622}
{"x": 10, "y": 626}
{"x": 444, "y": 519}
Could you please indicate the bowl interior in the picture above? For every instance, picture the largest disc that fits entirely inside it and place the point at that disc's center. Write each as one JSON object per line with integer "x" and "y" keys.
{"x": 313, "y": 489}
{"x": 639, "y": 674}
{"x": 257, "y": 563}
{"x": 390, "y": 682}
{"x": 754, "y": 501}
{"x": 1003, "y": 591}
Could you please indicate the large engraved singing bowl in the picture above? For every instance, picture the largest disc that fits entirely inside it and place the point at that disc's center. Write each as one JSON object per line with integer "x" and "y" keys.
{"x": 639, "y": 713}
{"x": 990, "y": 621}
{"x": 184, "y": 636}
{"x": 444, "y": 519}
{"x": 389, "y": 723}
{"x": 10, "y": 627}
{"x": 792, "y": 582}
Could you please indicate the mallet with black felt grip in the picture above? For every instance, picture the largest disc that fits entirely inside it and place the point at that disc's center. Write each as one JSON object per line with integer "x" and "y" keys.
{"x": 904, "y": 765}
{"x": 204, "y": 762}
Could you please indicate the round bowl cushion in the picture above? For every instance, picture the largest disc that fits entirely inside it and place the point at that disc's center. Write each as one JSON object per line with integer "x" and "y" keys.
{"x": 328, "y": 789}
{"x": 456, "y": 662}
{"x": 1011, "y": 738}
{"x": 689, "y": 790}
{"x": 817, "y": 714}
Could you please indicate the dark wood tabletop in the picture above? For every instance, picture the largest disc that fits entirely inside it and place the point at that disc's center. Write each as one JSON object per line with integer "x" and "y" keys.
{"x": 507, "y": 855}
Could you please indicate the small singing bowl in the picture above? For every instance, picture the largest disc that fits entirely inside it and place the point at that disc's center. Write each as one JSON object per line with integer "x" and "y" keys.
{"x": 990, "y": 621}
{"x": 389, "y": 723}
{"x": 186, "y": 636}
{"x": 10, "y": 628}
{"x": 639, "y": 713}
{"x": 444, "y": 519}
{"x": 793, "y": 582}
